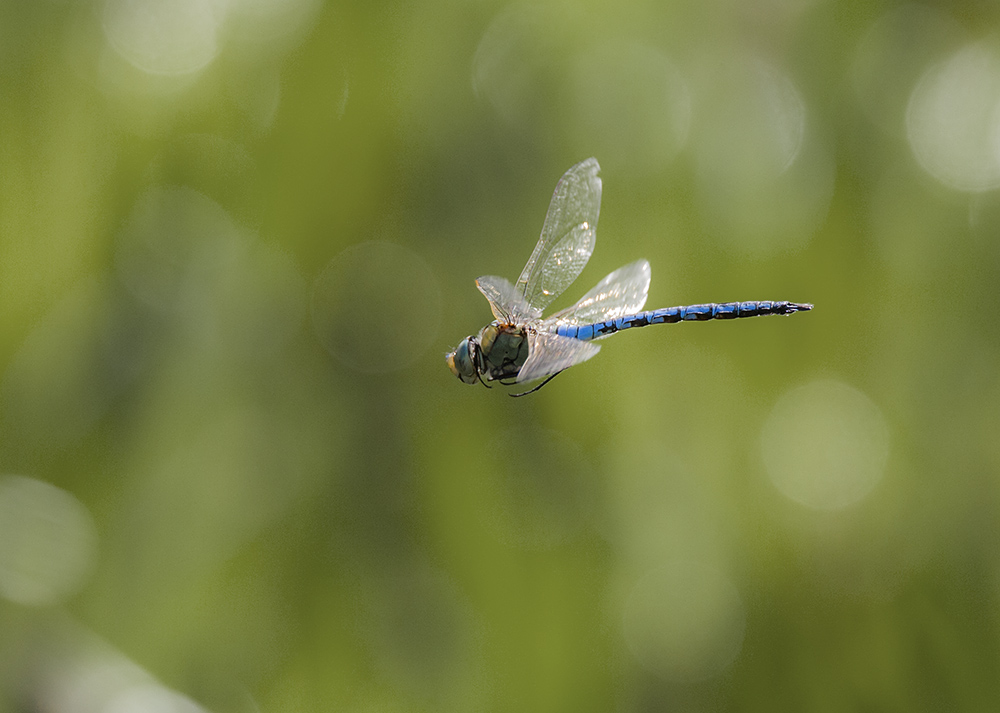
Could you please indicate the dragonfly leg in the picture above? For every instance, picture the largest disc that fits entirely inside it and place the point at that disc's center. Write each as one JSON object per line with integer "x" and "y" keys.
{"x": 531, "y": 391}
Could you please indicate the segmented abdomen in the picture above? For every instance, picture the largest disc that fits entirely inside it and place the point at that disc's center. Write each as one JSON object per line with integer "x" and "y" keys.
{"x": 690, "y": 313}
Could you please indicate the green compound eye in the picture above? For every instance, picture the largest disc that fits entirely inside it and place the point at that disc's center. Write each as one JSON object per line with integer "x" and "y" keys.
{"x": 460, "y": 362}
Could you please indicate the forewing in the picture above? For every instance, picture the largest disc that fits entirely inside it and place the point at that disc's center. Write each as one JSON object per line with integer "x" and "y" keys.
{"x": 549, "y": 354}
{"x": 507, "y": 304}
{"x": 568, "y": 236}
{"x": 621, "y": 293}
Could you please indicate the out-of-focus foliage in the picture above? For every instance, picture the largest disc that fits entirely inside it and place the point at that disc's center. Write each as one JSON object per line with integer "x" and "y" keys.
{"x": 238, "y": 236}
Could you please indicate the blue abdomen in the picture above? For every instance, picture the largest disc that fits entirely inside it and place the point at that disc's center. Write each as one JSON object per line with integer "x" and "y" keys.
{"x": 670, "y": 315}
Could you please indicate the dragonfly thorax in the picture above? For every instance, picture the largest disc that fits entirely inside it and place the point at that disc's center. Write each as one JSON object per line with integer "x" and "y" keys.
{"x": 503, "y": 349}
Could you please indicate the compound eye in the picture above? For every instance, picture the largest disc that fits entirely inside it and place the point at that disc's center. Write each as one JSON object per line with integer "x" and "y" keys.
{"x": 460, "y": 362}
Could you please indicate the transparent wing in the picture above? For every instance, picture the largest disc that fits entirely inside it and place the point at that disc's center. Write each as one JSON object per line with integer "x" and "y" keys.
{"x": 507, "y": 304}
{"x": 549, "y": 354}
{"x": 567, "y": 239}
{"x": 620, "y": 293}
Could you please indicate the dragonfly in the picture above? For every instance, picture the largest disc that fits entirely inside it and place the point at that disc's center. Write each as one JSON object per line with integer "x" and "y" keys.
{"x": 519, "y": 346}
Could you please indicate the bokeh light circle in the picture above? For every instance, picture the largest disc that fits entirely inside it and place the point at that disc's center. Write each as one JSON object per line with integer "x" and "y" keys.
{"x": 891, "y": 56}
{"x": 654, "y": 129}
{"x": 151, "y": 698}
{"x": 685, "y": 621}
{"x": 377, "y": 307}
{"x": 173, "y": 247}
{"x": 48, "y": 542}
{"x": 514, "y": 59}
{"x": 756, "y": 115}
{"x": 953, "y": 119}
{"x": 267, "y": 21}
{"x": 763, "y": 175}
{"x": 825, "y": 445}
{"x": 172, "y": 37}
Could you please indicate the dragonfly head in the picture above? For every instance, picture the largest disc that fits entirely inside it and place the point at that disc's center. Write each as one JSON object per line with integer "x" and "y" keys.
{"x": 462, "y": 361}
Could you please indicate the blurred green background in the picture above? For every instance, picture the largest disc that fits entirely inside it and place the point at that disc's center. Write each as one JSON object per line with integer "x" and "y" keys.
{"x": 237, "y": 238}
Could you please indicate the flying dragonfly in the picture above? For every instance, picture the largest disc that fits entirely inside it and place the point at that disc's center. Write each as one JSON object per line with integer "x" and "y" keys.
{"x": 519, "y": 346}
